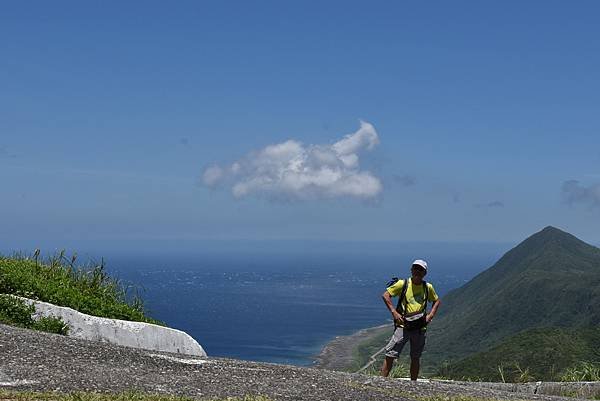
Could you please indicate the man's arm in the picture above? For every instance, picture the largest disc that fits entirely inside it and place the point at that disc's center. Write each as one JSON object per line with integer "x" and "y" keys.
{"x": 387, "y": 298}
{"x": 434, "y": 309}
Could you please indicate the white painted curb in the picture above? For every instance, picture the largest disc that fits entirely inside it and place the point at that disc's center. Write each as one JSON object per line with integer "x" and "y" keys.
{"x": 120, "y": 332}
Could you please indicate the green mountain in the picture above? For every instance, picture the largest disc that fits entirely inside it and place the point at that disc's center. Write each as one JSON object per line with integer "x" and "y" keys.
{"x": 550, "y": 280}
{"x": 535, "y": 354}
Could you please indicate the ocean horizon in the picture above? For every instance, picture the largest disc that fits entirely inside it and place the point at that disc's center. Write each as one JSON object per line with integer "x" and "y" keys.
{"x": 282, "y": 302}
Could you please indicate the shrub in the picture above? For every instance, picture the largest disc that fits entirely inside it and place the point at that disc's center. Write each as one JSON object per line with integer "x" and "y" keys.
{"x": 58, "y": 281}
{"x": 51, "y": 325}
{"x": 15, "y": 312}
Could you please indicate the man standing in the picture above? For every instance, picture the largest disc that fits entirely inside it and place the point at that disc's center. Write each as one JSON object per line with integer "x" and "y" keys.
{"x": 410, "y": 318}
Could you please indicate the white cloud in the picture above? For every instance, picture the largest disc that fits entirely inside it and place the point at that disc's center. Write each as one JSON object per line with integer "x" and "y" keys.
{"x": 291, "y": 170}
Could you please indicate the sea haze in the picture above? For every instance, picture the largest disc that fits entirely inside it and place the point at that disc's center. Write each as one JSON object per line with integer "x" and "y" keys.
{"x": 283, "y": 301}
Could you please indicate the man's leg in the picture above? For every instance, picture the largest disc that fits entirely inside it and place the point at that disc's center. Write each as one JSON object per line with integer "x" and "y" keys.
{"x": 417, "y": 343}
{"x": 392, "y": 350}
{"x": 387, "y": 366}
{"x": 415, "y": 364}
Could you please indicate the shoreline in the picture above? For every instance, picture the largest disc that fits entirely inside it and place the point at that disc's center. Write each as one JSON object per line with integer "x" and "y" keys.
{"x": 338, "y": 354}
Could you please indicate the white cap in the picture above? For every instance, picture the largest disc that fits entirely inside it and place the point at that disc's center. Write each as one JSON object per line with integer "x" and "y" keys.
{"x": 421, "y": 263}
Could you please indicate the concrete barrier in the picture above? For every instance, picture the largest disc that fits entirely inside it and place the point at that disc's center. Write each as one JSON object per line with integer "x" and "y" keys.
{"x": 120, "y": 332}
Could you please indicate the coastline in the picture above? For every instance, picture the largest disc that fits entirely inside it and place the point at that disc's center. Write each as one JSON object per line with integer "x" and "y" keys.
{"x": 338, "y": 354}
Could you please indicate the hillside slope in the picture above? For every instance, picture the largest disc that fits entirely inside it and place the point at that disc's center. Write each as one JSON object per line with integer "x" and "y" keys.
{"x": 535, "y": 354}
{"x": 552, "y": 279}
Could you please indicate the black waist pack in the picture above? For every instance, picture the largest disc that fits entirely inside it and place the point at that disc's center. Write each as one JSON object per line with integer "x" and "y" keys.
{"x": 415, "y": 322}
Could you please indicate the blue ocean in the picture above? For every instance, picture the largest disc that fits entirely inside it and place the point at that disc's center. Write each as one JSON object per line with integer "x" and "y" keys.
{"x": 282, "y": 302}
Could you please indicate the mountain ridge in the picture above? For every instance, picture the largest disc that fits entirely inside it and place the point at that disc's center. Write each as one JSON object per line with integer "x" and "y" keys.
{"x": 535, "y": 284}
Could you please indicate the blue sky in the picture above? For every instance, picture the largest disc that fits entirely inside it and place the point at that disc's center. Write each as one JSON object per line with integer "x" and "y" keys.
{"x": 111, "y": 112}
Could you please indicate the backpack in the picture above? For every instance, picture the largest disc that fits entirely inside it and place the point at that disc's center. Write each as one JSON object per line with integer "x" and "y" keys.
{"x": 410, "y": 324}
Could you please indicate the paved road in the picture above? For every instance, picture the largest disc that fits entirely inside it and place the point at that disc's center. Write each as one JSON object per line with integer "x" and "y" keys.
{"x": 39, "y": 361}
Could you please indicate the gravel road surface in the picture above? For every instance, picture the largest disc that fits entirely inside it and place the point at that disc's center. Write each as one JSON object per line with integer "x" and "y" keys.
{"x": 37, "y": 361}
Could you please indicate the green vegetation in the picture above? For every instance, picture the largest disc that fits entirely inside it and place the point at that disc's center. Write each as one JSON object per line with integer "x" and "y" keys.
{"x": 16, "y": 312}
{"x": 364, "y": 350}
{"x": 532, "y": 316}
{"x": 551, "y": 279}
{"x": 398, "y": 370}
{"x": 58, "y": 281}
{"x": 536, "y": 354}
{"x": 126, "y": 396}
{"x": 582, "y": 371}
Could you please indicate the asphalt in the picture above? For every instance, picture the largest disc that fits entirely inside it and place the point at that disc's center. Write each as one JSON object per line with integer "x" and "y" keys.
{"x": 37, "y": 361}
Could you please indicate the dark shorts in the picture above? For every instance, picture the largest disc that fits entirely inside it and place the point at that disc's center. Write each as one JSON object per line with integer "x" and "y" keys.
{"x": 401, "y": 337}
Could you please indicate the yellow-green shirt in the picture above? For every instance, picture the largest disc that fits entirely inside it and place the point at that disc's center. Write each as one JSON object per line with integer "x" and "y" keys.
{"x": 415, "y": 296}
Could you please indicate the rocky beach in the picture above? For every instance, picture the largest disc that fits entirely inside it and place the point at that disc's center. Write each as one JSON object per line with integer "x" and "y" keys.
{"x": 338, "y": 354}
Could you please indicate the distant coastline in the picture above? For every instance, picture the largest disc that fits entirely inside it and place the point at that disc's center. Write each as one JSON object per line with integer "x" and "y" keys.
{"x": 339, "y": 353}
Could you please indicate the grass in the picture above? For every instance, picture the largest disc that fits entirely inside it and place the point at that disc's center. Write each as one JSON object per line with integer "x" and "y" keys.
{"x": 368, "y": 347}
{"x": 362, "y": 352}
{"x": 398, "y": 370}
{"x": 547, "y": 354}
{"x": 515, "y": 372}
{"x": 126, "y": 396}
{"x": 15, "y": 312}
{"x": 583, "y": 371}
{"x": 57, "y": 280}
